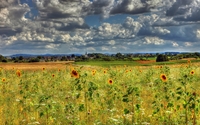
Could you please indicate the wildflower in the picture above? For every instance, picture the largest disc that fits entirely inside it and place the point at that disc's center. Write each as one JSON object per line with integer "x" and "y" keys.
{"x": 89, "y": 112}
{"x": 194, "y": 93}
{"x": 74, "y": 73}
{"x": 3, "y": 79}
{"x": 93, "y": 72}
{"x": 18, "y": 73}
{"x": 110, "y": 81}
{"x": 192, "y": 72}
{"x": 163, "y": 77}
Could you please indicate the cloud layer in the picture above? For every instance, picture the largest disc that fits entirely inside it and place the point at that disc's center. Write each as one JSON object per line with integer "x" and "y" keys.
{"x": 59, "y": 26}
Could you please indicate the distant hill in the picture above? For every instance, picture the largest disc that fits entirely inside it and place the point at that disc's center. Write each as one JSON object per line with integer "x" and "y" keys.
{"x": 35, "y": 55}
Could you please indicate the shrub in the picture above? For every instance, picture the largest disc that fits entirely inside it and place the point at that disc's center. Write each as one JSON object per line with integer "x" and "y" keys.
{"x": 162, "y": 58}
{"x": 4, "y": 60}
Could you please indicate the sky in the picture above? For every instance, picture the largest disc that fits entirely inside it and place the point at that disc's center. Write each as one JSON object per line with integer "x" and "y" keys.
{"x": 99, "y": 26}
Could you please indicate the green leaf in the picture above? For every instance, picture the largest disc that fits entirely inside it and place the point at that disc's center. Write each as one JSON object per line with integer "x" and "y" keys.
{"x": 125, "y": 100}
{"x": 79, "y": 87}
{"x": 166, "y": 97}
{"x": 81, "y": 107}
{"x": 192, "y": 106}
{"x": 41, "y": 114}
{"x": 126, "y": 111}
{"x": 137, "y": 106}
{"x": 179, "y": 92}
{"x": 178, "y": 88}
{"x": 78, "y": 95}
{"x": 178, "y": 107}
{"x": 170, "y": 105}
{"x": 130, "y": 90}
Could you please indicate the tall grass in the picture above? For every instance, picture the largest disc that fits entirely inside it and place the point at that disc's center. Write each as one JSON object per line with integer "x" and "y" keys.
{"x": 83, "y": 95}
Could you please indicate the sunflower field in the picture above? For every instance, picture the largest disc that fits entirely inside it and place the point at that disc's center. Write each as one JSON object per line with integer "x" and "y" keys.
{"x": 91, "y": 95}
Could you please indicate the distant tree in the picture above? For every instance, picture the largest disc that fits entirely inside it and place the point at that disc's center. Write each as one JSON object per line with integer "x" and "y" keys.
{"x": 63, "y": 58}
{"x": 34, "y": 60}
{"x": 21, "y": 57}
{"x": 197, "y": 54}
{"x": 162, "y": 58}
{"x": 1, "y": 58}
{"x": 119, "y": 56}
{"x": 107, "y": 59}
{"x": 39, "y": 57}
{"x": 4, "y": 60}
{"x": 73, "y": 56}
{"x": 180, "y": 56}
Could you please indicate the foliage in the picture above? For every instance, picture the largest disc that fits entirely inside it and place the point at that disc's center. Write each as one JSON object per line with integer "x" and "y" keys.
{"x": 162, "y": 58}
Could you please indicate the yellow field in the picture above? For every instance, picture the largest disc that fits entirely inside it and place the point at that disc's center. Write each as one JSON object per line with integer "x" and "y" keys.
{"x": 62, "y": 94}
{"x": 35, "y": 66}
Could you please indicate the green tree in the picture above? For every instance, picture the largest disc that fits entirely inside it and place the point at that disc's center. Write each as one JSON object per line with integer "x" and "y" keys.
{"x": 1, "y": 58}
{"x": 21, "y": 58}
{"x": 162, "y": 58}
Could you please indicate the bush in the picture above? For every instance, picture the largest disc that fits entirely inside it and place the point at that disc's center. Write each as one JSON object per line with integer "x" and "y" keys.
{"x": 34, "y": 60}
{"x": 4, "y": 60}
{"x": 162, "y": 58}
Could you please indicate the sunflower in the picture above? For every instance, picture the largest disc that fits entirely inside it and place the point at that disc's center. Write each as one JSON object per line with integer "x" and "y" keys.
{"x": 189, "y": 61}
{"x": 192, "y": 72}
{"x": 43, "y": 68}
{"x": 89, "y": 112}
{"x": 18, "y": 73}
{"x": 104, "y": 71}
{"x": 163, "y": 77}
{"x": 3, "y": 79}
{"x": 53, "y": 75}
{"x": 110, "y": 81}
{"x": 93, "y": 72}
{"x": 74, "y": 73}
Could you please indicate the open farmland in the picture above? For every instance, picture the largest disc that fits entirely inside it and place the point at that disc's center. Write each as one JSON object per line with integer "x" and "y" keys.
{"x": 35, "y": 66}
{"x": 62, "y": 93}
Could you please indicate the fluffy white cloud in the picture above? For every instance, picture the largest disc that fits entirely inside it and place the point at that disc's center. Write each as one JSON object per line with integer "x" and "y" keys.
{"x": 175, "y": 44}
{"x": 185, "y": 10}
{"x": 187, "y": 44}
{"x": 198, "y": 33}
{"x": 153, "y": 40}
{"x": 61, "y": 24}
{"x": 52, "y": 46}
{"x": 111, "y": 42}
{"x": 103, "y": 48}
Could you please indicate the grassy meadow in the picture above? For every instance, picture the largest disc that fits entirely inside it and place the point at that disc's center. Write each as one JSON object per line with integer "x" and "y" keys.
{"x": 78, "y": 94}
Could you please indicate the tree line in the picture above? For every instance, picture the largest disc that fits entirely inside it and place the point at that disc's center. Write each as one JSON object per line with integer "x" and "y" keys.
{"x": 103, "y": 57}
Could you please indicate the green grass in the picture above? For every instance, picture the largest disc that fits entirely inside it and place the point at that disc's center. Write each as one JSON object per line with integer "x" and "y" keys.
{"x": 132, "y": 63}
{"x": 108, "y": 63}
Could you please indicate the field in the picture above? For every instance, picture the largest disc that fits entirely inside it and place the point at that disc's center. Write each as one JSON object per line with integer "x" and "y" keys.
{"x": 107, "y": 94}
